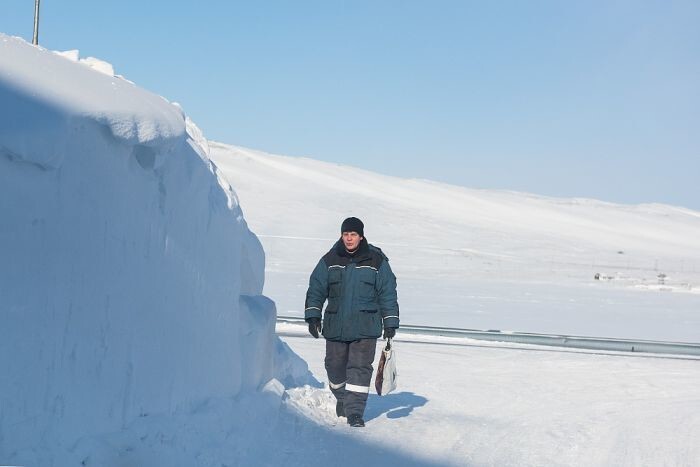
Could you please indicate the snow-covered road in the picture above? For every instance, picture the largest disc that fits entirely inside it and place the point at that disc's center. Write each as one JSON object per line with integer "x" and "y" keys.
{"x": 463, "y": 402}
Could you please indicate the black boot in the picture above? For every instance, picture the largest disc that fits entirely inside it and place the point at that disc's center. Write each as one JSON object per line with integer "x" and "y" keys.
{"x": 339, "y": 409}
{"x": 355, "y": 420}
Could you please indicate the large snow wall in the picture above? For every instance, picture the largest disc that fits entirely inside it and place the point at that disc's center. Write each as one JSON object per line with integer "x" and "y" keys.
{"x": 130, "y": 284}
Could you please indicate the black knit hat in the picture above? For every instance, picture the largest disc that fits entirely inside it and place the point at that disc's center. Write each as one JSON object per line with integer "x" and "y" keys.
{"x": 353, "y": 224}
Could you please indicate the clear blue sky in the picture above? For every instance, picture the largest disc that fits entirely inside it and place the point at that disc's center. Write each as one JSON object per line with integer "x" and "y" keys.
{"x": 564, "y": 98}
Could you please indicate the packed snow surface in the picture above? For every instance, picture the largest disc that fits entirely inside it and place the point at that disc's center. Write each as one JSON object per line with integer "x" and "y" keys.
{"x": 479, "y": 259}
{"x": 462, "y": 402}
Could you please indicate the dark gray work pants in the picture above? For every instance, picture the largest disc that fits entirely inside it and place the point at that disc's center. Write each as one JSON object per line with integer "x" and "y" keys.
{"x": 349, "y": 368}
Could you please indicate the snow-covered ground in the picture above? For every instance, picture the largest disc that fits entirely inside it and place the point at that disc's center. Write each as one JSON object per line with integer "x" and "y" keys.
{"x": 469, "y": 403}
{"x": 134, "y": 330}
{"x": 479, "y": 259}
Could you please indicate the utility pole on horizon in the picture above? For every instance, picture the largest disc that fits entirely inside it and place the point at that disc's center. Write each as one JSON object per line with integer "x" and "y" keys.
{"x": 35, "y": 38}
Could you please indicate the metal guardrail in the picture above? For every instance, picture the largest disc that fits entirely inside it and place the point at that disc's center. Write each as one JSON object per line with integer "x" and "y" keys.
{"x": 578, "y": 342}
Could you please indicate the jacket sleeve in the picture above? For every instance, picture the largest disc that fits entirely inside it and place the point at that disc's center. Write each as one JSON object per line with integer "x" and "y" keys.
{"x": 386, "y": 294}
{"x": 318, "y": 291}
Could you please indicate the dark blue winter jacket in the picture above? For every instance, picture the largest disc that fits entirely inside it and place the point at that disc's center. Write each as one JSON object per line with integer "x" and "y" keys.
{"x": 361, "y": 293}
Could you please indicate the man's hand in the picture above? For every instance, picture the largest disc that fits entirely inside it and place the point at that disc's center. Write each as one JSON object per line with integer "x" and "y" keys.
{"x": 314, "y": 326}
{"x": 389, "y": 333}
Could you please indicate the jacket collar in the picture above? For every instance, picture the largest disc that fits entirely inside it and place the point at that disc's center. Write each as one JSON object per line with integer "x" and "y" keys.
{"x": 362, "y": 250}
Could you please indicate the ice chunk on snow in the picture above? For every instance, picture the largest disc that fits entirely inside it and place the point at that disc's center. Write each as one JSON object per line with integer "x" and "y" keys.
{"x": 72, "y": 55}
{"x": 99, "y": 65}
{"x": 92, "y": 62}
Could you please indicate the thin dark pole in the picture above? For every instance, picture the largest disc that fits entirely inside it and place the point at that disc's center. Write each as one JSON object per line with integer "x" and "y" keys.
{"x": 35, "y": 39}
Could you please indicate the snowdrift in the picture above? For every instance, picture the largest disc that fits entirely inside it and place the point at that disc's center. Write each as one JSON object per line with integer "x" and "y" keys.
{"x": 130, "y": 284}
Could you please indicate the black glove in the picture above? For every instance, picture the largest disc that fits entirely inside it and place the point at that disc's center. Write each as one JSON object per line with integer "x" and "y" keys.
{"x": 314, "y": 326}
{"x": 389, "y": 333}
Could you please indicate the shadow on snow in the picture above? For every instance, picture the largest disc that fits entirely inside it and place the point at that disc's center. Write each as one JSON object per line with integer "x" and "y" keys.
{"x": 397, "y": 405}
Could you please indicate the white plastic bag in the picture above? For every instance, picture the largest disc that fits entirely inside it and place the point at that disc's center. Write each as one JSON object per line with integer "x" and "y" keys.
{"x": 385, "y": 382}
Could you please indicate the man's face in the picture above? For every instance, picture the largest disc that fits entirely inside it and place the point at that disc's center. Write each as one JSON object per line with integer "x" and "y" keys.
{"x": 351, "y": 240}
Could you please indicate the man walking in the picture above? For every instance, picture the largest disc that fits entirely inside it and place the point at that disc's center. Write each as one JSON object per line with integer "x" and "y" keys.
{"x": 360, "y": 287}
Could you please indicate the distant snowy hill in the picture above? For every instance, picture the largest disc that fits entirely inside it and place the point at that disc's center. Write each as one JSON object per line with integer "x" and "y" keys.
{"x": 479, "y": 259}
{"x": 130, "y": 285}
